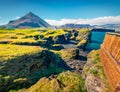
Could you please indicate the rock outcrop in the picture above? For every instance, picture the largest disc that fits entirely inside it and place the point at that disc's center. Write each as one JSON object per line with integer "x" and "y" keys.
{"x": 64, "y": 82}
{"x": 84, "y": 36}
{"x": 95, "y": 79}
{"x": 110, "y": 59}
{"x": 60, "y": 39}
{"x": 94, "y": 84}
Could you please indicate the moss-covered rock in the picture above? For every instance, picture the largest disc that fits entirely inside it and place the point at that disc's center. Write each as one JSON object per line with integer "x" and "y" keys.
{"x": 60, "y": 39}
{"x": 82, "y": 44}
{"x": 74, "y": 34}
{"x": 49, "y": 40}
{"x": 83, "y": 38}
{"x": 67, "y": 37}
{"x": 83, "y": 34}
{"x": 71, "y": 53}
{"x": 59, "y": 36}
{"x": 64, "y": 82}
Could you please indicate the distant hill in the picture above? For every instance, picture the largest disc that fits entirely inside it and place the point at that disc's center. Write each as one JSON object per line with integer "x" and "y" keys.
{"x": 75, "y": 26}
{"x": 105, "y": 26}
{"x": 29, "y": 20}
{"x": 115, "y": 27}
{"x": 102, "y": 30}
{"x": 110, "y": 26}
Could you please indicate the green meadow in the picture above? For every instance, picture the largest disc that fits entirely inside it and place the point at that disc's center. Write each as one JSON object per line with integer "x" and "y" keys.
{"x": 27, "y": 55}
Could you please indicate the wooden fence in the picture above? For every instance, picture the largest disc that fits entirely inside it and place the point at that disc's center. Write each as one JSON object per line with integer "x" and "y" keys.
{"x": 110, "y": 58}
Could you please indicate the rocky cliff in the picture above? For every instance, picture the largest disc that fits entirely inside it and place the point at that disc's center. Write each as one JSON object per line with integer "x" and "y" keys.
{"x": 110, "y": 57}
{"x": 95, "y": 79}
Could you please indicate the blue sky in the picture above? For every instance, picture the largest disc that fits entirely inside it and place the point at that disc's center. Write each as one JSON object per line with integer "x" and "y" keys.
{"x": 59, "y": 9}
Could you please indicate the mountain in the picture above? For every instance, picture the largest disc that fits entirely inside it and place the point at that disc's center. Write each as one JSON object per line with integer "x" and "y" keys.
{"x": 29, "y": 20}
{"x": 75, "y": 26}
{"x": 111, "y": 26}
{"x": 115, "y": 27}
{"x": 105, "y": 26}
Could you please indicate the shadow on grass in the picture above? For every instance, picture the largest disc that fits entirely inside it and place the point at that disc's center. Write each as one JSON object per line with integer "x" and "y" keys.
{"x": 24, "y": 71}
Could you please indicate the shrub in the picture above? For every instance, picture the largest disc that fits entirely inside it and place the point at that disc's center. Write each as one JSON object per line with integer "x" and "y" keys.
{"x": 94, "y": 61}
{"x": 93, "y": 71}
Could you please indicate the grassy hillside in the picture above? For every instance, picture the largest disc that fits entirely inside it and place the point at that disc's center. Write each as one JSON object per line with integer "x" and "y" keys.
{"x": 9, "y": 51}
{"x": 42, "y": 37}
{"x": 30, "y": 35}
{"x": 26, "y": 55}
{"x": 21, "y": 66}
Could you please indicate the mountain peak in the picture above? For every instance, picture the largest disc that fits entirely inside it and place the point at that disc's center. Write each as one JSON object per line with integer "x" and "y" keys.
{"x": 29, "y": 20}
{"x": 30, "y": 14}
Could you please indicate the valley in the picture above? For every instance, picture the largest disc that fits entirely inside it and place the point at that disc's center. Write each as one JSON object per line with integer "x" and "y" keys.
{"x": 38, "y": 57}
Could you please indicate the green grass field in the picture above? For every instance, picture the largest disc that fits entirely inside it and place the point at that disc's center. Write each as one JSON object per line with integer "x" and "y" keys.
{"x": 8, "y": 51}
{"x": 26, "y": 55}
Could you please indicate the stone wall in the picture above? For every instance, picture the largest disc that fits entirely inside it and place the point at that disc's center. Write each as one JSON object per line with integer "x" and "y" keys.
{"x": 110, "y": 58}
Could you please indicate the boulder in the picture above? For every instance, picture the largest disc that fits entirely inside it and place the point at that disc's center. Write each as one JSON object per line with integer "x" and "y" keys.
{"x": 75, "y": 34}
{"x": 49, "y": 40}
{"x": 73, "y": 30}
{"x": 67, "y": 37}
{"x": 60, "y": 39}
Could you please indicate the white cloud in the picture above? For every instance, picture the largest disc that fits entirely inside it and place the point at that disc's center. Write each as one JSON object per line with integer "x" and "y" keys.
{"x": 93, "y": 21}
{"x": 17, "y": 17}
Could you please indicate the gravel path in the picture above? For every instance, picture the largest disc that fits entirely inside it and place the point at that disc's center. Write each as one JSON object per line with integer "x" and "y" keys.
{"x": 77, "y": 64}
{"x": 71, "y": 44}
